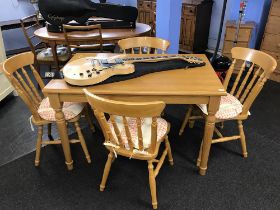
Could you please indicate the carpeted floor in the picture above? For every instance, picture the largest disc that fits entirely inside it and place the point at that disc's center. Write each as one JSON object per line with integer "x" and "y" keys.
{"x": 231, "y": 182}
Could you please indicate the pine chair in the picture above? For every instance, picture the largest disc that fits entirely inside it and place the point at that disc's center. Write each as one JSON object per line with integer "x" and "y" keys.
{"x": 42, "y": 113}
{"x": 83, "y": 38}
{"x": 41, "y": 55}
{"x": 134, "y": 130}
{"x": 147, "y": 45}
{"x": 246, "y": 87}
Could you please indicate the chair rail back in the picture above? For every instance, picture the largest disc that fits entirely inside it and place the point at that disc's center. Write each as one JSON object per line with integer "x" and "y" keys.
{"x": 124, "y": 110}
{"x": 83, "y": 37}
{"x": 28, "y": 31}
{"x": 150, "y": 44}
{"x": 247, "y": 85}
{"x": 19, "y": 76}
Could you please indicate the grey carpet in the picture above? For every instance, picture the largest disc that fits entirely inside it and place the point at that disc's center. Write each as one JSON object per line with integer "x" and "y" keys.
{"x": 231, "y": 181}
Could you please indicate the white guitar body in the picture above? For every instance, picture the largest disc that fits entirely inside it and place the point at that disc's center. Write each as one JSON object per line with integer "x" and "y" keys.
{"x": 90, "y": 71}
{"x": 81, "y": 73}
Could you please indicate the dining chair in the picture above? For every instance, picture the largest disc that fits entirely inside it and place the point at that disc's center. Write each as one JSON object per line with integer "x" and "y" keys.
{"x": 144, "y": 45}
{"x": 247, "y": 85}
{"x": 42, "y": 53}
{"x": 20, "y": 71}
{"x": 133, "y": 130}
{"x": 83, "y": 38}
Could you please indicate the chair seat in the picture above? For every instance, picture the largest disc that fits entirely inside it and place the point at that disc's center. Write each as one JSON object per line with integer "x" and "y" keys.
{"x": 162, "y": 129}
{"x": 69, "y": 109}
{"x": 47, "y": 55}
{"x": 230, "y": 107}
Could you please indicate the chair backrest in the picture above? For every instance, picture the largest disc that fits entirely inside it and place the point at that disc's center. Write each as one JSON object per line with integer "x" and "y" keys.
{"x": 19, "y": 76}
{"x": 247, "y": 85}
{"x": 28, "y": 31}
{"x": 123, "y": 110}
{"x": 83, "y": 37}
{"x": 148, "y": 44}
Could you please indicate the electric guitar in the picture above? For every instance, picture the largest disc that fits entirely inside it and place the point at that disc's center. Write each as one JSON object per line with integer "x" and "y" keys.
{"x": 90, "y": 70}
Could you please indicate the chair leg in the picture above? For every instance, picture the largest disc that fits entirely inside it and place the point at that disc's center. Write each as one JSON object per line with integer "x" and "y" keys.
{"x": 191, "y": 123}
{"x": 169, "y": 153}
{"x": 152, "y": 181}
{"x": 82, "y": 140}
{"x": 38, "y": 145}
{"x": 106, "y": 171}
{"x": 86, "y": 112}
{"x": 199, "y": 155}
{"x": 50, "y": 131}
{"x": 242, "y": 139}
{"x": 187, "y": 116}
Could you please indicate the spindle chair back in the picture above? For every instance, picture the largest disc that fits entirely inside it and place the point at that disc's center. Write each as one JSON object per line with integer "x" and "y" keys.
{"x": 83, "y": 37}
{"x": 20, "y": 71}
{"x": 247, "y": 84}
{"x": 22, "y": 74}
{"x": 121, "y": 113}
{"x": 147, "y": 45}
{"x": 28, "y": 31}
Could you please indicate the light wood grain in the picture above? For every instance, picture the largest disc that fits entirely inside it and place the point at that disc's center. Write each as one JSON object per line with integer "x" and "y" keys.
{"x": 192, "y": 86}
{"x": 244, "y": 89}
{"x": 144, "y": 43}
{"x": 102, "y": 106}
{"x": 16, "y": 71}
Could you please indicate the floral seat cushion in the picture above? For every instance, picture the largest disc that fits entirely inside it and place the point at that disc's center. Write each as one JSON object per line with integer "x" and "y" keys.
{"x": 69, "y": 109}
{"x": 47, "y": 55}
{"x": 162, "y": 127}
{"x": 229, "y": 108}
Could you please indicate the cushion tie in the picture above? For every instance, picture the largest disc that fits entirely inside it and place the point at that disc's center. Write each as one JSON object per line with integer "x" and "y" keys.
{"x": 113, "y": 146}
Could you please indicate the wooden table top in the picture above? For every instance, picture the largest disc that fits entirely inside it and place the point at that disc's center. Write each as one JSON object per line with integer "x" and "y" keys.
{"x": 199, "y": 81}
{"x": 107, "y": 34}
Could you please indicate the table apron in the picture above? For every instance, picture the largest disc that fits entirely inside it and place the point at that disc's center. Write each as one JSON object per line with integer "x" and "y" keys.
{"x": 140, "y": 98}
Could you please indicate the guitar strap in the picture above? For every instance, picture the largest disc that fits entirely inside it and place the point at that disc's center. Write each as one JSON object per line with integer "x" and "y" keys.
{"x": 143, "y": 68}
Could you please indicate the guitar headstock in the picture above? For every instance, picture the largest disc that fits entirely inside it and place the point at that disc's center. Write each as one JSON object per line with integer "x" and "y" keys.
{"x": 193, "y": 60}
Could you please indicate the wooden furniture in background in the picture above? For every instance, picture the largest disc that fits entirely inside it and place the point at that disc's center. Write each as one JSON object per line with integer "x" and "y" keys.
{"x": 83, "y": 37}
{"x": 147, "y": 13}
{"x": 271, "y": 39}
{"x": 183, "y": 86}
{"x": 108, "y": 35}
{"x": 195, "y": 22}
{"x": 41, "y": 55}
{"x": 244, "y": 91}
{"x": 145, "y": 45}
{"x": 195, "y": 25}
{"x": 244, "y": 37}
{"x": 144, "y": 133}
{"x": 16, "y": 71}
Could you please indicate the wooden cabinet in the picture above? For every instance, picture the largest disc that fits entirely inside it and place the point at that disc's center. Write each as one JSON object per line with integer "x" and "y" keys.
{"x": 147, "y": 13}
{"x": 271, "y": 39}
{"x": 244, "y": 37}
{"x": 195, "y": 22}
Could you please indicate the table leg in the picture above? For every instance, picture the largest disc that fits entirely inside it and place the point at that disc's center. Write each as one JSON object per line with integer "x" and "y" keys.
{"x": 53, "y": 47}
{"x": 62, "y": 129}
{"x": 213, "y": 107}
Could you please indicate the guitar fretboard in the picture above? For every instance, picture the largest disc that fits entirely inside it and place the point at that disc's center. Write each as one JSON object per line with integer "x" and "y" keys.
{"x": 165, "y": 57}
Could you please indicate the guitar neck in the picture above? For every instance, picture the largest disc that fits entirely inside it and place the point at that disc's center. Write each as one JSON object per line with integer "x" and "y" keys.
{"x": 152, "y": 58}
